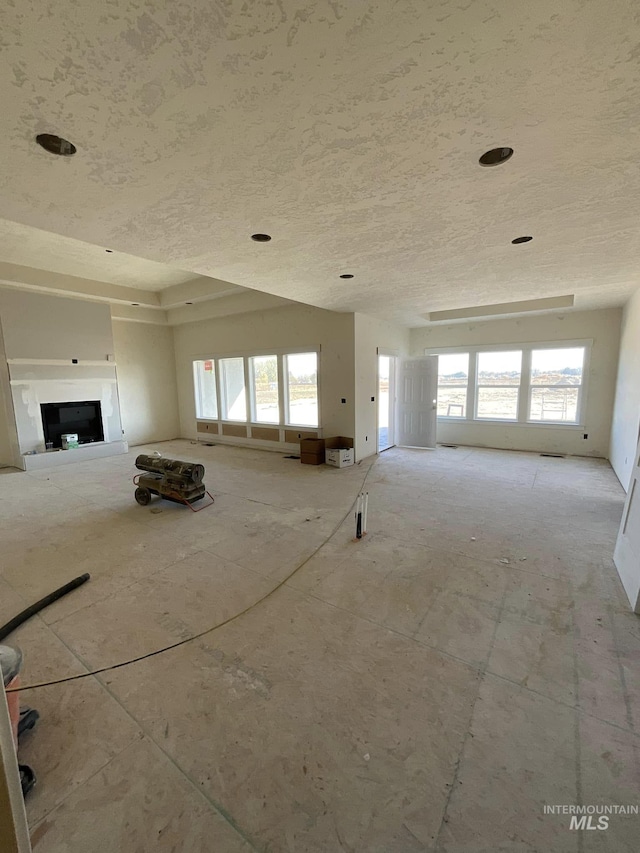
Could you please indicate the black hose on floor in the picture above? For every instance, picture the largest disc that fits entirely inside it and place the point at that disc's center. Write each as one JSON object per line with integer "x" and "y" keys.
{"x": 14, "y": 623}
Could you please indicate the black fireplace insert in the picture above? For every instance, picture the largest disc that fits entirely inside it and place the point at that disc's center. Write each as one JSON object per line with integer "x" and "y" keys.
{"x": 85, "y": 419}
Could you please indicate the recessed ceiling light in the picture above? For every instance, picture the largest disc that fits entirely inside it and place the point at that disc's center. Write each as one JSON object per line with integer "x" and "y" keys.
{"x": 521, "y": 240}
{"x": 346, "y": 275}
{"x": 56, "y": 144}
{"x": 496, "y": 156}
{"x": 261, "y": 238}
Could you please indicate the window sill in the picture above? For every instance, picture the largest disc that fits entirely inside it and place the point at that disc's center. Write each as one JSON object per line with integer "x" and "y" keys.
{"x": 300, "y": 426}
{"x": 554, "y": 424}
{"x": 270, "y": 424}
{"x": 535, "y": 424}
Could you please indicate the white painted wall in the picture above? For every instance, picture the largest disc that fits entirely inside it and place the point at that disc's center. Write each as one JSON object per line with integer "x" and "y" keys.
{"x": 51, "y": 327}
{"x": 146, "y": 370}
{"x": 603, "y": 327}
{"x": 48, "y": 332}
{"x": 257, "y": 331}
{"x": 370, "y": 334}
{"x": 625, "y": 429}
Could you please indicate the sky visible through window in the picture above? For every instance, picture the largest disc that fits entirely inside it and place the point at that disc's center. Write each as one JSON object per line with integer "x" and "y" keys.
{"x": 453, "y": 364}
{"x": 496, "y": 363}
{"x": 557, "y": 360}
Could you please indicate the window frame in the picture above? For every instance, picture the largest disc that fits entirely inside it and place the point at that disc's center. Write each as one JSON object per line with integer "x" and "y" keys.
{"x": 287, "y": 403}
{"x": 581, "y": 387}
{"x": 197, "y": 385}
{"x": 464, "y": 417}
{"x": 253, "y": 409}
{"x": 525, "y": 386}
{"x": 280, "y": 353}
{"x": 517, "y": 386}
{"x": 223, "y": 406}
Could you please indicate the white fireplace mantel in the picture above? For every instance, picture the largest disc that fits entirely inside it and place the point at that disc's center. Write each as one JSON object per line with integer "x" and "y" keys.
{"x": 33, "y": 383}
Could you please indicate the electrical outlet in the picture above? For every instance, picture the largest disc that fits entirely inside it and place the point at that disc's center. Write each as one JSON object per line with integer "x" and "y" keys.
{"x": 373, "y": 399}
{"x": 366, "y": 438}
{"x": 586, "y": 435}
{"x": 343, "y": 400}
{"x": 74, "y": 361}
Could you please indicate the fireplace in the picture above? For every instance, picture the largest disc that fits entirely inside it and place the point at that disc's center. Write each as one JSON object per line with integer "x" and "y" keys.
{"x": 85, "y": 419}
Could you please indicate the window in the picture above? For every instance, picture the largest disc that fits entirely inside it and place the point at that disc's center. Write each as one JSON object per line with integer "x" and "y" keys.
{"x": 204, "y": 378}
{"x": 234, "y": 398}
{"x": 279, "y": 389}
{"x": 263, "y": 381}
{"x": 556, "y": 384}
{"x": 535, "y": 384}
{"x": 301, "y": 376}
{"x": 498, "y": 385}
{"x": 453, "y": 381}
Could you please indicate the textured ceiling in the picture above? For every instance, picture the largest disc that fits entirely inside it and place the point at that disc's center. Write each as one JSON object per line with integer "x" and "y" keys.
{"x": 350, "y": 131}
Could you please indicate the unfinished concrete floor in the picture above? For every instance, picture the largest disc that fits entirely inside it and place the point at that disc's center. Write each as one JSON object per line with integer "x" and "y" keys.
{"x": 429, "y": 688}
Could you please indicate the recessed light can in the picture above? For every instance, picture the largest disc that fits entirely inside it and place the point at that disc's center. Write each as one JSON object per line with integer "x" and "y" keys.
{"x": 56, "y": 144}
{"x": 496, "y": 156}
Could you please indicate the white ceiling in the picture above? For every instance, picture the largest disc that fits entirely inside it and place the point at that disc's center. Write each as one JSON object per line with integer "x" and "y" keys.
{"x": 34, "y": 248}
{"x": 349, "y": 131}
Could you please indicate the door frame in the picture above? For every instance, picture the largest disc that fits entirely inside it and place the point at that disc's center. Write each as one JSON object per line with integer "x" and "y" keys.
{"x": 393, "y": 355}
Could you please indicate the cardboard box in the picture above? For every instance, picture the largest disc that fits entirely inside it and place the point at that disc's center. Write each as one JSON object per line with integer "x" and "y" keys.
{"x": 312, "y": 458}
{"x": 312, "y": 451}
{"x": 339, "y": 451}
{"x": 312, "y": 445}
{"x": 69, "y": 440}
{"x": 339, "y": 457}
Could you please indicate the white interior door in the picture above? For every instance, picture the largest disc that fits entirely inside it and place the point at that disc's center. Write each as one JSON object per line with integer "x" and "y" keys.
{"x": 417, "y": 401}
{"x": 627, "y": 553}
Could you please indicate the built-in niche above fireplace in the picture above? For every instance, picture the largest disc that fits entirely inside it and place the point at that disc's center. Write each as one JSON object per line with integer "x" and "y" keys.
{"x": 84, "y": 418}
